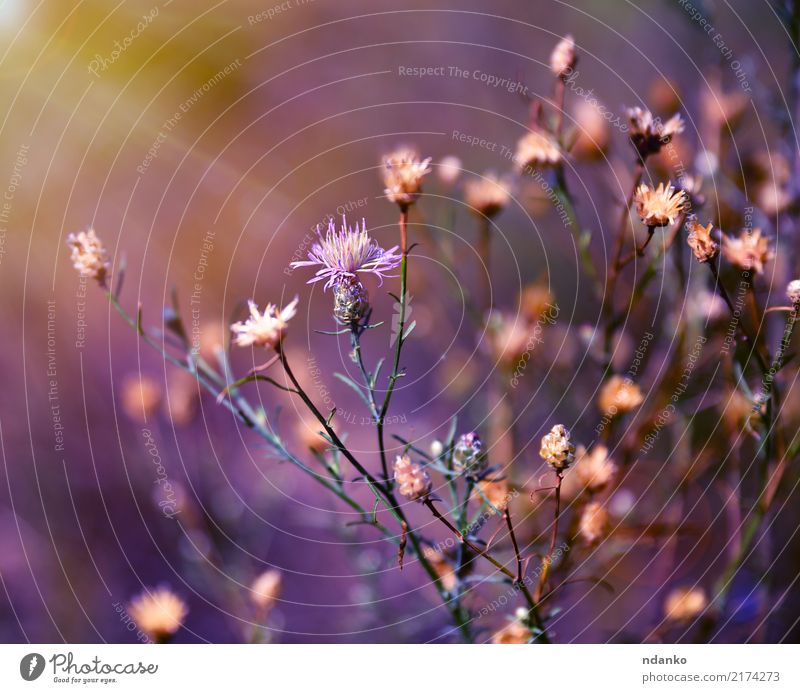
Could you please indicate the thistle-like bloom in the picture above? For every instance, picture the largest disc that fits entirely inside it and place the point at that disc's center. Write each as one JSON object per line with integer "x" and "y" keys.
{"x": 750, "y": 251}
{"x": 159, "y": 613}
{"x": 649, "y": 134}
{"x": 344, "y": 253}
{"x": 793, "y": 291}
{"x": 535, "y": 150}
{"x": 265, "y": 329}
{"x": 266, "y": 589}
{"x": 563, "y": 58}
{"x": 594, "y": 469}
{"x": 486, "y": 196}
{"x": 618, "y": 396}
{"x": 556, "y": 448}
{"x": 468, "y": 454}
{"x": 402, "y": 176}
{"x": 89, "y": 255}
{"x": 593, "y": 523}
{"x": 685, "y": 603}
{"x": 659, "y": 206}
{"x": 700, "y": 241}
{"x": 413, "y": 481}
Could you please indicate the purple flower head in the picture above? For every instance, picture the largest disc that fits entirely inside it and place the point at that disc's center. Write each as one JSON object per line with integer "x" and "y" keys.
{"x": 345, "y": 252}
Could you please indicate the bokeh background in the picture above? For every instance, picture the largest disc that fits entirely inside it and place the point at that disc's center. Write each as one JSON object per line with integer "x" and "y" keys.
{"x": 204, "y": 144}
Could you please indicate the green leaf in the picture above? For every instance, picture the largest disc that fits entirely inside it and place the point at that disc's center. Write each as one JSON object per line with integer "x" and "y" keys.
{"x": 354, "y": 385}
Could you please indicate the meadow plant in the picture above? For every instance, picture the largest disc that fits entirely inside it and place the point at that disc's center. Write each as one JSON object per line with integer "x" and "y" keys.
{"x": 467, "y": 484}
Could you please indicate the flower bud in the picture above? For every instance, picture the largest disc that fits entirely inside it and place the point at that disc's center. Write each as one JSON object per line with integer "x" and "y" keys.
{"x": 468, "y": 455}
{"x": 413, "y": 481}
{"x": 350, "y": 300}
{"x": 556, "y": 448}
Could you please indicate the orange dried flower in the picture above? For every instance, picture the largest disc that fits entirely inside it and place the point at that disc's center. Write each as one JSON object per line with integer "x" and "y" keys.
{"x": 750, "y": 251}
{"x": 700, "y": 241}
{"x": 659, "y": 206}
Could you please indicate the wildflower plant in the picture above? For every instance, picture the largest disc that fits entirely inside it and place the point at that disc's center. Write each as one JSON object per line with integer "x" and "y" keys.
{"x": 512, "y": 519}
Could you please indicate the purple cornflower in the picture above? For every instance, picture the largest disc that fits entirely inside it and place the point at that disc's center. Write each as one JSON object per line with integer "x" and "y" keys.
{"x": 344, "y": 253}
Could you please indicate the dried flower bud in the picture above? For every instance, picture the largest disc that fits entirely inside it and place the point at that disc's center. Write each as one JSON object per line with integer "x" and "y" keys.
{"x": 486, "y": 196}
{"x": 402, "y": 176}
{"x": 692, "y": 185}
{"x": 536, "y": 150}
{"x": 350, "y": 300}
{"x": 515, "y": 633}
{"x": 594, "y": 469}
{"x": 413, "y": 481}
{"x": 158, "y": 613}
{"x": 750, "y": 251}
{"x": 592, "y": 131}
{"x": 556, "y": 449}
{"x": 141, "y": 398}
{"x": 468, "y": 455}
{"x": 649, "y": 134}
{"x": 594, "y": 522}
{"x": 563, "y": 58}
{"x": 700, "y": 241}
{"x": 659, "y": 206}
{"x": 618, "y": 396}
{"x": 442, "y": 567}
{"x": 183, "y": 395}
{"x": 793, "y": 291}
{"x": 437, "y": 448}
{"x": 497, "y": 493}
{"x": 685, "y": 603}
{"x": 89, "y": 255}
{"x": 449, "y": 169}
{"x": 266, "y": 589}
{"x": 265, "y": 329}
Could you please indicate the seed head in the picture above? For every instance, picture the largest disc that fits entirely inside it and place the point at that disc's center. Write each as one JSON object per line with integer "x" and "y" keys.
{"x": 563, "y": 58}
{"x": 793, "y": 291}
{"x": 659, "y": 206}
{"x": 594, "y": 522}
{"x": 497, "y": 493}
{"x": 685, "y": 603}
{"x": 141, "y": 398}
{"x": 536, "y": 150}
{"x": 556, "y": 448}
{"x": 265, "y": 329}
{"x": 441, "y": 566}
{"x": 449, "y": 169}
{"x": 403, "y": 172}
{"x": 159, "y": 613}
{"x": 750, "y": 251}
{"x": 486, "y": 196}
{"x": 594, "y": 469}
{"x": 413, "y": 481}
{"x": 618, "y": 396}
{"x": 515, "y": 633}
{"x": 266, "y": 589}
{"x": 89, "y": 255}
{"x": 700, "y": 241}
{"x": 649, "y": 134}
